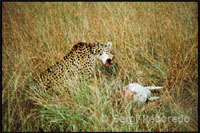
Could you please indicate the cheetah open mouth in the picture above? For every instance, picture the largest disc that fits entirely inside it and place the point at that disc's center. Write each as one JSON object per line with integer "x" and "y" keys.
{"x": 108, "y": 62}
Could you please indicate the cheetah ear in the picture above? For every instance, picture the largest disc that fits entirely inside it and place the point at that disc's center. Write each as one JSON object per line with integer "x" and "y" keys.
{"x": 109, "y": 45}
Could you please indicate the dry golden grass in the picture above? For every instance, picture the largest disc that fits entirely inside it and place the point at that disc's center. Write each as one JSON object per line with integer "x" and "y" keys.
{"x": 153, "y": 44}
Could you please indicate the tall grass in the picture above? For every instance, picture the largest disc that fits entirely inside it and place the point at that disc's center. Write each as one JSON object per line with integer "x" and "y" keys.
{"x": 153, "y": 44}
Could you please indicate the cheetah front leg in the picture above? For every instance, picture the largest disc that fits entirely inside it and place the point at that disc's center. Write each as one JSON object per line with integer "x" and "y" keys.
{"x": 88, "y": 72}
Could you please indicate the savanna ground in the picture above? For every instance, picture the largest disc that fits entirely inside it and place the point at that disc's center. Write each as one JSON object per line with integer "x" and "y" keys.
{"x": 153, "y": 43}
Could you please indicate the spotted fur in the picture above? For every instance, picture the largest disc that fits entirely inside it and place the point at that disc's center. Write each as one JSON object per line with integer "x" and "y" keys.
{"x": 78, "y": 62}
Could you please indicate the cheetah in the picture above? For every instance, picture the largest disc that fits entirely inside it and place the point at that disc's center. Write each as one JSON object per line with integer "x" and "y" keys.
{"x": 80, "y": 61}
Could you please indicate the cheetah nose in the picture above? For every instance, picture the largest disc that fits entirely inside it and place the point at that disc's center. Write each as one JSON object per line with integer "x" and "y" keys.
{"x": 109, "y": 61}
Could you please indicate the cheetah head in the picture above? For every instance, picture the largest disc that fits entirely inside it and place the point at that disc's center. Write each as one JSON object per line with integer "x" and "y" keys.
{"x": 104, "y": 53}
